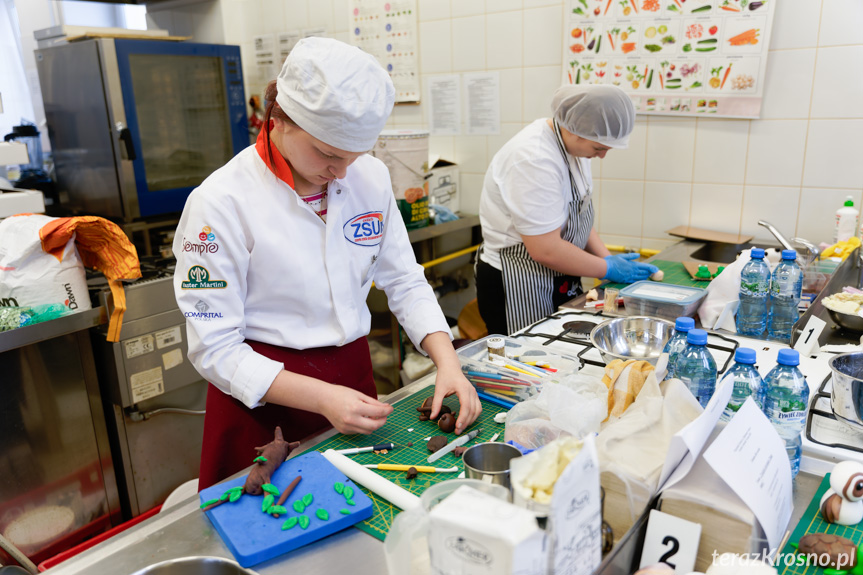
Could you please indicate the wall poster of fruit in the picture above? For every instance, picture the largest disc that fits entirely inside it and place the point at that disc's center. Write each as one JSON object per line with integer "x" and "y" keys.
{"x": 673, "y": 57}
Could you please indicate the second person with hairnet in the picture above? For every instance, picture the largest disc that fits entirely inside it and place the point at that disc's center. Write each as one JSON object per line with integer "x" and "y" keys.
{"x": 537, "y": 215}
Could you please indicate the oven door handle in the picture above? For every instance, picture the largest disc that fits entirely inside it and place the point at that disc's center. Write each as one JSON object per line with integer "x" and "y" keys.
{"x": 136, "y": 415}
{"x": 125, "y": 137}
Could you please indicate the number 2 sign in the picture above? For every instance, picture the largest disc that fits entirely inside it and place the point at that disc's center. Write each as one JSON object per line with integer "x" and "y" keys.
{"x": 672, "y": 541}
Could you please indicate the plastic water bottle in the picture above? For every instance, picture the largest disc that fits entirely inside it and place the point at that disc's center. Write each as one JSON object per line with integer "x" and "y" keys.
{"x": 786, "y": 395}
{"x": 746, "y": 381}
{"x": 786, "y": 287}
{"x": 677, "y": 343}
{"x": 696, "y": 367}
{"x": 754, "y": 295}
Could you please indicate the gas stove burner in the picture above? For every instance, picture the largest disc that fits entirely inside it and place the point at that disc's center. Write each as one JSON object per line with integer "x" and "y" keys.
{"x": 578, "y": 329}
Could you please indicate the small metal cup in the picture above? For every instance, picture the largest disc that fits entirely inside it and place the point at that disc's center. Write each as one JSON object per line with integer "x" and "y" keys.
{"x": 489, "y": 462}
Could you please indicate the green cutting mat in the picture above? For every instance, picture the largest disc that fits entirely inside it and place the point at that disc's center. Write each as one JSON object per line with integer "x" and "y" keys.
{"x": 404, "y": 417}
{"x": 812, "y": 522}
{"x": 675, "y": 274}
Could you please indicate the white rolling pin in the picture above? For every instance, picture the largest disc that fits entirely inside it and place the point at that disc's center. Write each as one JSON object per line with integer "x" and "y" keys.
{"x": 372, "y": 481}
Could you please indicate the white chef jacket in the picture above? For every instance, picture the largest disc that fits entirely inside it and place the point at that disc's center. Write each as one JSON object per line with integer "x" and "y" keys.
{"x": 255, "y": 262}
{"x": 527, "y": 191}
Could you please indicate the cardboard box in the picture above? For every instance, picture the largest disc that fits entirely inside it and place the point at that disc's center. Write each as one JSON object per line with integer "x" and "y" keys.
{"x": 443, "y": 183}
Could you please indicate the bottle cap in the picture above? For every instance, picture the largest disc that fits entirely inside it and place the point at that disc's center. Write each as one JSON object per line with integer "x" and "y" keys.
{"x": 745, "y": 355}
{"x": 789, "y": 255}
{"x": 787, "y": 357}
{"x": 849, "y": 203}
{"x": 696, "y": 337}
{"x": 757, "y": 254}
{"x": 684, "y": 324}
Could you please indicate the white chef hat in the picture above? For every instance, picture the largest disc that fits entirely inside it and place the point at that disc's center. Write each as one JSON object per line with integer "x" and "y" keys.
{"x": 335, "y": 92}
{"x": 602, "y": 114}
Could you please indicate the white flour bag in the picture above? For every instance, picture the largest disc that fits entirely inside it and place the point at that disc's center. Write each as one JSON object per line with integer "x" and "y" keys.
{"x": 31, "y": 277}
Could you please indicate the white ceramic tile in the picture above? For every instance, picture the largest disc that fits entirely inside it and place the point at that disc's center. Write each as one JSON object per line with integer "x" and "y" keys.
{"x": 253, "y": 24}
{"x": 670, "y": 144}
{"x": 622, "y": 203}
{"x": 468, "y": 8}
{"x": 795, "y": 24}
{"x": 839, "y": 82}
{"x": 776, "y": 152}
{"x": 666, "y": 205}
{"x": 539, "y": 3}
{"x": 433, "y": 10}
{"x": 777, "y": 205}
{"x": 296, "y": 14}
{"x": 321, "y": 15}
{"x": 340, "y": 15}
{"x": 840, "y": 22}
{"x": 409, "y": 116}
{"x": 597, "y": 201}
{"x": 469, "y": 193}
{"x": 468, "y": 44}
{"x": 471, "y": 154}
{"x": 503, "y": 5}
{"x": 435, "y": 47}
{"x": 596, "y": 167}
{"x": 818, "y": 206}
{"x": 716, "y": 207}
{"x": 833, "y": 154}
{"x": 540, "y": 82}
{"x": 720, "y": 151}
{"x": 511, "y": 85}
{"x": 628, "y": 164}
{"x": 233, "y": 15}
{"x": 543, "y": 36}
{"x": 495, "y": 143}
{"x": 504, "y": 40}
{"x": 788, "y": 84}
{"x": 342, "y": 36}
{"x": 443, "y": 146}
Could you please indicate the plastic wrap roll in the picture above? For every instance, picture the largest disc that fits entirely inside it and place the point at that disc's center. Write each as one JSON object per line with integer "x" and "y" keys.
{"x": 372, "y": 481}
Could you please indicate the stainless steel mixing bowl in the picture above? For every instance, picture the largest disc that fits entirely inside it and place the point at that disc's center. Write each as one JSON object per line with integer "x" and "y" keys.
{"x": 636, "y": 337}
{"x": 847, "y": 321}
{"x": 846, "y": 396}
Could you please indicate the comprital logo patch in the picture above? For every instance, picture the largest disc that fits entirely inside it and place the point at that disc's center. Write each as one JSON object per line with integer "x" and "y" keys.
{"x": 469, "y": 550}
{"x": 203, "y": 313}
{"x": 199, "y": 278}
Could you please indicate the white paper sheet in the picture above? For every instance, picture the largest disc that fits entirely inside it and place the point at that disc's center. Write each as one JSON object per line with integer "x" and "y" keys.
{"x": 750, "y": 457}
{"x": 687, "y": 443}
{"x": 444, "y": 105}
{"x": 482, "y": 102}
{"x": 576, "y": 515}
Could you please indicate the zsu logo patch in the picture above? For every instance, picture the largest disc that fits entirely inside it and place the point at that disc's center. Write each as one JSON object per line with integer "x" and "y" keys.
{"x": 199, "y": 278}
{"x": 365, "y": 229}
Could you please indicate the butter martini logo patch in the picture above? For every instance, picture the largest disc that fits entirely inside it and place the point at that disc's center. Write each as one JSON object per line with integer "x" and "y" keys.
{"x": 199, "y": 278}
{"x": 365, "y": 229}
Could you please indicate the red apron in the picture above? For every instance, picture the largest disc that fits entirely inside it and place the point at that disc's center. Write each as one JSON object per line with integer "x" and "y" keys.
{"x": 232, "y": 430}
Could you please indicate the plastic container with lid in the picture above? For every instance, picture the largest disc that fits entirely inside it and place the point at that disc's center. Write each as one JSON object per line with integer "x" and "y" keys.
{"x": 665, "y": 301}
{"x": 475, "y": 357}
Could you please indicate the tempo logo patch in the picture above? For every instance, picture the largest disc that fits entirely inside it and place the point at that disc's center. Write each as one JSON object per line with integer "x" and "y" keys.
{"x": 365, "y": 229}
{"x": 199, "y": 278}
{"x": 207, "y": 243}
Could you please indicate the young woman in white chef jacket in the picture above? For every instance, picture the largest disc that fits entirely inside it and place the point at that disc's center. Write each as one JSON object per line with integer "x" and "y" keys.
{"x": 276, "y": 253}
{"x": 536, "y": 210}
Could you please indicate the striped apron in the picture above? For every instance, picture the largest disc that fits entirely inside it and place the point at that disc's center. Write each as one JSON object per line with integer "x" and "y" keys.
{"x": 534, "y": 291}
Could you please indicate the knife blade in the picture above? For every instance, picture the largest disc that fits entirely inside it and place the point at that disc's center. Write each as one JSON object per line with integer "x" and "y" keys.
{"x": 452, "y": 445}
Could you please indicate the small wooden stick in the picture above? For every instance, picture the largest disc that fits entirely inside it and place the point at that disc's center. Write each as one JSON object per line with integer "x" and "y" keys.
{"x": 216, "y": 504}
{"x": 288, "y": 490}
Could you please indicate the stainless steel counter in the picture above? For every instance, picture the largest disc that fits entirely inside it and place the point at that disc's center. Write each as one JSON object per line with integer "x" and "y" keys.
{"x": 185, "y": 531}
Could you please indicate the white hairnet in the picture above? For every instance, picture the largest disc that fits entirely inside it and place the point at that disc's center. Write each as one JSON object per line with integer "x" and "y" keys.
{"x": 335, "y": 92}
{"x": 602, "y": 114}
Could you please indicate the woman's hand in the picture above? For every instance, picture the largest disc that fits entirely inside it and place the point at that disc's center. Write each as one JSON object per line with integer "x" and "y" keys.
{"x": 452, "y": 381}
{"x": 351, "y": 411}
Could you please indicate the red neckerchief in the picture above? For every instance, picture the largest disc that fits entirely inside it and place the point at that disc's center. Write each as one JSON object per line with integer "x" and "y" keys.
{"x": 281, "y": 167}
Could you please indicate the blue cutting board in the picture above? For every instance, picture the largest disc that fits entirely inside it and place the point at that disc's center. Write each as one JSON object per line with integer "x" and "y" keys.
{"x": 254, "y": 536}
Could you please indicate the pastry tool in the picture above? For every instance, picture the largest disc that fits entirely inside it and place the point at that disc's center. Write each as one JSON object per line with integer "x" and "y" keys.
{"x": 419, "y": 468}
{"x": 452, "y": 445}
{"x": 379, "y": 447}
{"x": 372, "y": 481}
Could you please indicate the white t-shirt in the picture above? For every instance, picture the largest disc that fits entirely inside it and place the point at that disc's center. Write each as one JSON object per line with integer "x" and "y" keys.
{"x": 527, "y": 190}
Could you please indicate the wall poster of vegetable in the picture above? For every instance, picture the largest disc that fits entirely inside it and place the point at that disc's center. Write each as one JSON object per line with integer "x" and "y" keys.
{"x": 673, "y": 57}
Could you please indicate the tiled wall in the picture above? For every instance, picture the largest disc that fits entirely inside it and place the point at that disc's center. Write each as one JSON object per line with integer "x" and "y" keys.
{"x": 793, "y": 167}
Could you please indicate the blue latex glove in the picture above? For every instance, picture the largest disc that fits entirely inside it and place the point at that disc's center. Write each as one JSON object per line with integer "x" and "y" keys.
{"x": 622, "y": 270}
{"x": 441, "y": 214}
